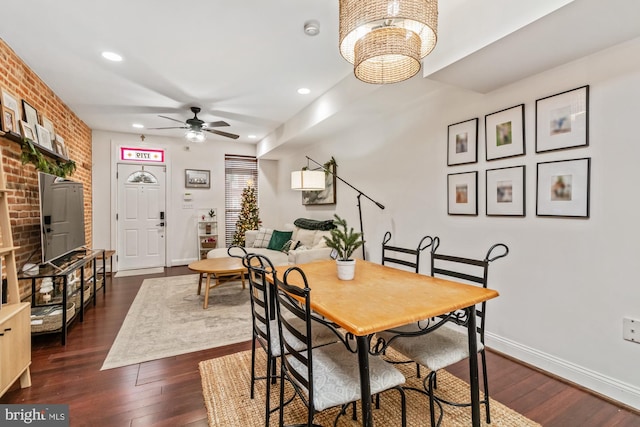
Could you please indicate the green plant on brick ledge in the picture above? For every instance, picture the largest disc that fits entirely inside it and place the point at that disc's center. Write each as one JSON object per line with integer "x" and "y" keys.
{"x": 30, "y": 154}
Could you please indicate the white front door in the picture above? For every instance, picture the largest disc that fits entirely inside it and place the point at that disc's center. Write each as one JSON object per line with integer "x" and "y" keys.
{"x": 141, "y": 216}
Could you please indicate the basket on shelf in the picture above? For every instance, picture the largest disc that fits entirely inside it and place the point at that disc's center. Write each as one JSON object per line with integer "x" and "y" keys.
{"x": 52, "y": 320}
{"x": 209, "y": 244}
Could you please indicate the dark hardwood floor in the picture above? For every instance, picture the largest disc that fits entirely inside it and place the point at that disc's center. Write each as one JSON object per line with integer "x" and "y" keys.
{"x": 167, "y": 392}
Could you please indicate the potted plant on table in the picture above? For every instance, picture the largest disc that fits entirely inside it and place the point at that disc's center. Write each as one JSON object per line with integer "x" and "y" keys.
{"x": 344, "y": 240}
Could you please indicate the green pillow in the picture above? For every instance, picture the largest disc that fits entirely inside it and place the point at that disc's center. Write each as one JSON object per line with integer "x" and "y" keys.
{"x": 278, "y": 239}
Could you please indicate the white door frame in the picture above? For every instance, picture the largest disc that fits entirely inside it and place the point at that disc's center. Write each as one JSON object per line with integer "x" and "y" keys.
{"x": 115, "y": 159}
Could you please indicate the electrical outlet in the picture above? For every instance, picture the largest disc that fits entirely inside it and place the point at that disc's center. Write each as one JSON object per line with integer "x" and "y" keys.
{"x": 631, "y": 330}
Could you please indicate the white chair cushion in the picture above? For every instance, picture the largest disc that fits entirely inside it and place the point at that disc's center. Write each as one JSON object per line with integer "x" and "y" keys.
{"x": 336, "y": 376}
{"x": 435, "y": 350}
{"x": 320, "y": 335}
{"x": 305, "y": 237}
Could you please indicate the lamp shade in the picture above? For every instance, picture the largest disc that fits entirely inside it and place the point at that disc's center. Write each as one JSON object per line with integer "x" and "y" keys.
{"x": 386, "y": 39}
{"x": 308, "y": 180}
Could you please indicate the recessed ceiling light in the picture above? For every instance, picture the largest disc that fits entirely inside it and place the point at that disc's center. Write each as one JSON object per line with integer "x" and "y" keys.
{"x": 137, "y": 126}
{"x": 112, "y": 56}
{"x": 251, "y": 136}
{"x": 304, "y": 91}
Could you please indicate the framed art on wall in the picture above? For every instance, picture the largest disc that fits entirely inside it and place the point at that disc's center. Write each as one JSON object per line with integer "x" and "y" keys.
{"x": 505, "y": 194}
{"x": 11, "y": 102}
{"x": 562, "y": 120}
{"x": 30, "y": 114}
{"x": 27, "y": 131}
{"x": 563, "y": 188}
{"x": 195, "y": 178}
{"x": 8, "y": 120}
{"x": 504, "y": 133}
{"x": 44, "y": 137}
{"x": 326, "y": 196}
{"x": 462, "y": 193}
{"x": 462, "y": 143}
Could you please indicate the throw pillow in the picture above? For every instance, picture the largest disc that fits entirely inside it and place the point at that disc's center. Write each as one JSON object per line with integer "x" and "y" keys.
{"x": 278, "y": 239}
{"x": 291, "y": 245}
{"x": 318, "y": 240}
{"x": 262, "y": 238}
{"x": 306, "y": 237}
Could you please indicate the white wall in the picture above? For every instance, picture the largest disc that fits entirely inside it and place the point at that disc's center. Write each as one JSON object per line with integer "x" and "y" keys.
{"x": 181, "y": 231}
{"x": 567, "y": 283}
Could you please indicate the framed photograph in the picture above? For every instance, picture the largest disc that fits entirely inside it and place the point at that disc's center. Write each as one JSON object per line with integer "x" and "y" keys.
{"x": 194, "y": 178}
{"x": 326, "y": 196}
{"x": 506, "y": 191}
{"x": 30, "y": 114}
{"x": 504, "y": 133}
{"x": 562, "y": 120}
{"x": 59, "y": 147}
{"x": 48, "y": 125}
{"x": 11, "y": 102}
{"x": 462, "y": 143}
{"x": 563, "y": 188}
{"x": 462, "y": 193}
{"x": 27, "y": 131}
{"x": 44, "y": 137}
{"x": 8, "y": 120}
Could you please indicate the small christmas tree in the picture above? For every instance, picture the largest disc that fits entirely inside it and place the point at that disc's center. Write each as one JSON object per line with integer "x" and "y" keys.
{"x": 249, "y": 216}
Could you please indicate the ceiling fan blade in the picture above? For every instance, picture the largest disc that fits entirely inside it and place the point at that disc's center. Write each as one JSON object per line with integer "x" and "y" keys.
{"x": 219, "y": 132}
{"x": 172, "y": 127}
{"x": 169, "y": 118}
{"x": 216, "y": 124}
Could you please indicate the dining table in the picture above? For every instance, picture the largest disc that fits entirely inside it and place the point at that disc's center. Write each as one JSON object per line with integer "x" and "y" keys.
{"x": 381, "y": 298}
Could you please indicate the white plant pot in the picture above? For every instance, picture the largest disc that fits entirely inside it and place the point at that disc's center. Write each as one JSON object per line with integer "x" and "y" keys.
{"x": 346, "y": 269}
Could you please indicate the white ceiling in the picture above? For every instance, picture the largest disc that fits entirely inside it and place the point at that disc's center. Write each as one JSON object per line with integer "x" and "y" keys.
{"x": 243, "y": 61}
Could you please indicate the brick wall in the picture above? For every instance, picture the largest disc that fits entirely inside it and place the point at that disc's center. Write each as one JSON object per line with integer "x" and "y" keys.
{"x": 17, "y": 78}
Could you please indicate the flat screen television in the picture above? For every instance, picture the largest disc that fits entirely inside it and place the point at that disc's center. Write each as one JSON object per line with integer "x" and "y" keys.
{"x": 61, "y": 216}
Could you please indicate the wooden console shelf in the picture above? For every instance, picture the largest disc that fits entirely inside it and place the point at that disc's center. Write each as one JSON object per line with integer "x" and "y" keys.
{"x": 15, "y": 336}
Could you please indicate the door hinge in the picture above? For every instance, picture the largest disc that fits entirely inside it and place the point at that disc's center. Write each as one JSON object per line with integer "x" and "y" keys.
{"x": 116, "y": 217}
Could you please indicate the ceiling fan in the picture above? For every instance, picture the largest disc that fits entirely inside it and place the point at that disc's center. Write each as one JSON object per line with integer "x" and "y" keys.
{"x": 196, "y": 126}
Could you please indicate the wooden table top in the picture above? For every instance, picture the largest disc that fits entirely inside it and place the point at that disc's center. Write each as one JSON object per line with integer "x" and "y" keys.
{"x": 218, "y": 265}
{"x": 382, "y": 297}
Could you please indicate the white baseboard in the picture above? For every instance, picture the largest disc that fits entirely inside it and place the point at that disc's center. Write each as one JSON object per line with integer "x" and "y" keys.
{"x": 612, "y": 388}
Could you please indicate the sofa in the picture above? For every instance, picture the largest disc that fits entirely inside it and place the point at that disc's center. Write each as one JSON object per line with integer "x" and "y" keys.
{"x": 297, "y": 243}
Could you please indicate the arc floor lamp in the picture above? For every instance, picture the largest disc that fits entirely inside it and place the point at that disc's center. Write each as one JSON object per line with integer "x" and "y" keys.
{"x": 313, "y": 180}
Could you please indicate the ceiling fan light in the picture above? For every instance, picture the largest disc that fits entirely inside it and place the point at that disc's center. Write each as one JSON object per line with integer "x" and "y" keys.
{"x": 195, "y": 136}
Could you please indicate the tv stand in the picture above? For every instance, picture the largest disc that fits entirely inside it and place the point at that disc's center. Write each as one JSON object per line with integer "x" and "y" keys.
{"x": 71, "y": 293}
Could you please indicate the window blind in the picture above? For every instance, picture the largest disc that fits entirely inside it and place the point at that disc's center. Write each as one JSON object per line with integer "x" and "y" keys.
{"x": 238, "y": 171}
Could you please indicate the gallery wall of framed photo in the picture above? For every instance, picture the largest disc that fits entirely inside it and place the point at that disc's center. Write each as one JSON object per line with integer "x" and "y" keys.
{"x": 562, "y": 183}
{"x": 22, "y": 120}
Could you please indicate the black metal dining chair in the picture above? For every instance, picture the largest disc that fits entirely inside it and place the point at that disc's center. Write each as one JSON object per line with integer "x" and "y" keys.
{"x": 262, "y": 274}
{"x": 327, "y": 376}
{"x": 405, "y": 257}
{"x": 443, "y": 346}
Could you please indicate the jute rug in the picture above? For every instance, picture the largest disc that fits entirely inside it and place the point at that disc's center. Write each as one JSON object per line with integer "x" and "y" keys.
{"x": 226, "y": 388}
{"x": 167, "y": 319}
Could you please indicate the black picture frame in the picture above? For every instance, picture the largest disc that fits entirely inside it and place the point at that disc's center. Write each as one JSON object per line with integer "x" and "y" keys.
{"x": 197, "y": 178}
{"x": 328, "y": 196}
{"x": 562, "y": 120}
{"x": 462, "y": 143}
{"x": 462, "y": 193}
{"x": 504, "y": 133}
{"x": 563, "y": 188}
{"x": 506, "y": 191}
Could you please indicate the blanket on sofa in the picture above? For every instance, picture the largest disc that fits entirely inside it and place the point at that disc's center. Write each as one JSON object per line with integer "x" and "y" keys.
{"x": 314, "y": 224}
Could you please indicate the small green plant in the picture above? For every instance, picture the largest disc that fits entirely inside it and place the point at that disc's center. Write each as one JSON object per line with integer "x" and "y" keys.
{"x": 30, "y": 154}
{"x": 344, "y": 239}
{"x": 212, "y": 213}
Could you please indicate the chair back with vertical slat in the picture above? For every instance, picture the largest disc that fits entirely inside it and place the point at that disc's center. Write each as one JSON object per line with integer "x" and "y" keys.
{"x": 475, "y": 271}
{"x": 293, "y": 302}
{"x": 261, "y": 274}
{"x": 404, "y": 256}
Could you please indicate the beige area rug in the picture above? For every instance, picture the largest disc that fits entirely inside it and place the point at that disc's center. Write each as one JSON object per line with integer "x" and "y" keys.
{"x": 167, "y": 319}
{"x": 226, "y": 390}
